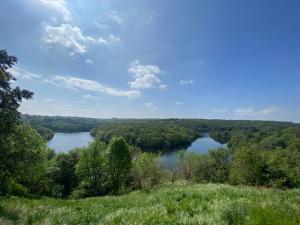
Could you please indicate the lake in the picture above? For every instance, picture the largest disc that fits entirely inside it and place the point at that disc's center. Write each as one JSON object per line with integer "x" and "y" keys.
{"x": 64, "y": 142}
{"x": 200, "y": 145}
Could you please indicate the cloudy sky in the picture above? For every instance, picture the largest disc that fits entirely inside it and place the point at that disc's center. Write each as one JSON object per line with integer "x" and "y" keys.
{"x": 230, "y": 59}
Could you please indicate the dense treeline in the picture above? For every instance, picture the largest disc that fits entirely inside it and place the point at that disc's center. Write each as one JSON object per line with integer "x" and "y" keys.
{"x": 46, "y": 133}
{"x": 147, "y": 135}
{"x": 269, "y": 159}
{"x": 221, "y": 130}
{"x": 62, "y": 123}
{"x": 137, "y": 131}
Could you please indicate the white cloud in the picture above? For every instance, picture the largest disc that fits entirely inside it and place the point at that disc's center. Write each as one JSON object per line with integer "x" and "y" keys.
{"x": 222, "y": 110}
{"x": 178, "y": 103}
{"x": 144, "y": 82}
{"x": 270, "y": 110}
{"x": 114, "y": 38}
{"x": 151, "y": 106}
{"x": 186, "y": 82}
{"x": 21, "y": 73}
{"x": 145, "y": 76}
{"x": 89, "y": 61}
{"x": 244, "y": 111}
{"x": 251, "y": 111}
{"x": 77, "y": 83}
{"x": 101, "y": 26}
{"x": 141, "y": 70}
{"x": 70, "y": 37}
{"x": 88, "y": 96}
{"x": 163, "y": 86}
{"x": 59, "y": 6}
{"x": 49, "y": 100}
{"x": 114, "y": 16}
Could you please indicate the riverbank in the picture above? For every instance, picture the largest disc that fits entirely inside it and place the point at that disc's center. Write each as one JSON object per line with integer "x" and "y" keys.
{"x": 169, "y": 204}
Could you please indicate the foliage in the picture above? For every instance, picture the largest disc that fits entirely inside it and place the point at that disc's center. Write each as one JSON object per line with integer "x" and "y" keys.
{"x": 10, "y": 154}
{"x": 217, "y": 166}
{"x": 275, "y": 155}
{"x": 221, "y": 136}
{"x": 148, "y": 135}
{"x": 211, "y": 167}
{"x": 23, "y": 167}
{"x": 63, "y": 175}
{"x": 117, "y": 164}
{"x": 189, "y": 164}
{"x": 90, "y": 171}
{"x": 145, "y": 171}
{"x": 10, "y": 98}
{"x": 62, "y": 123}
{"x": 247, "y": 167}
{"x": 46, "y": 133}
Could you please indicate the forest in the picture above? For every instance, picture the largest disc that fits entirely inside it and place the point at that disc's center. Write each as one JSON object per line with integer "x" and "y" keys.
{"x": 262, "y": 161}
{"x": 150, "y": 134}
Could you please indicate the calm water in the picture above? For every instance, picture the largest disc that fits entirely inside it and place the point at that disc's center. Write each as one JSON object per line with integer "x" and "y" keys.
{"x": 201, "y": 145}
{"x": 63, "y": 142}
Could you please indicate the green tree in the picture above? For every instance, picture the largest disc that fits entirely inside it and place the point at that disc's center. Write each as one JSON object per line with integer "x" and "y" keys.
{"x": 218, "y": 165}
{"x": 247, "y": 167}
{"x": 25, "y": 163}
{"x": 118, "y": 164}
{"x": 90, "y": 171}
{"x": 10, "y": 99}
{"x": 63, "y": 172}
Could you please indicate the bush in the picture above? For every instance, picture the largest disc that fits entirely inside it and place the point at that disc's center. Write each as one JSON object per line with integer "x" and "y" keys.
{"x": 145, "y": 171}
{"x": 189, "y": 163}
{"x": 247, "y": 167}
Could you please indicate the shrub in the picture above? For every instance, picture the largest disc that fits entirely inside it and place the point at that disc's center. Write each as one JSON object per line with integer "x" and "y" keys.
{"x": 247, "y": 167}
{"x": 145, "y": 171}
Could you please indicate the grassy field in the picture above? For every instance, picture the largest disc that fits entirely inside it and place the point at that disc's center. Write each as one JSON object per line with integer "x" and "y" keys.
{"x": 169, "y": 204}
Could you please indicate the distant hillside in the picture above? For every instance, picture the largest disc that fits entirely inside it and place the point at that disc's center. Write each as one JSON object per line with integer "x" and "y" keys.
{"x": 150, "y": 134}
{"x": 62, "y": 123}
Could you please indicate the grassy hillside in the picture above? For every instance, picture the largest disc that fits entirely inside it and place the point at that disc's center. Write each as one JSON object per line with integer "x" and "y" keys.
{"x": 173, "y": 204}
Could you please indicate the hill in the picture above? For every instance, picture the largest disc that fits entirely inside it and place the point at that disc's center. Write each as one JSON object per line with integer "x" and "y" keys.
{"x": 169, "y": 204}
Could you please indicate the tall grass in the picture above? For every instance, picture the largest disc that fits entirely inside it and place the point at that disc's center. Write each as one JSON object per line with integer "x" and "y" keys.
{"x": 169, "y": 204}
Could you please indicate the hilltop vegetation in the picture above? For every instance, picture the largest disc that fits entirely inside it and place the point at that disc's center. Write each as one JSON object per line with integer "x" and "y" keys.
{"x": 62, "y": 123}
{"x": 147, "y": 135}
{"x": 151, "y": 134}
{"x": 209, "y": 204}
{"x": 46, "y": 133}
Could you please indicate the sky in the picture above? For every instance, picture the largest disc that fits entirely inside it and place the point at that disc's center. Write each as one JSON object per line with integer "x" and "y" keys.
{"x": 233, "y": 59}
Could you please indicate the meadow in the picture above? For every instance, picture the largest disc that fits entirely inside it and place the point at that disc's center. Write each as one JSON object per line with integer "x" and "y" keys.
{"x": 180, "y": 203}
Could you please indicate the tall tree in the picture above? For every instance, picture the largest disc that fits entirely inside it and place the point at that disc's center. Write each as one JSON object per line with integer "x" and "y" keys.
{"x": 90, "y": 171}
{"x": 118, "y": 163}
{"x": 10, "y": 99}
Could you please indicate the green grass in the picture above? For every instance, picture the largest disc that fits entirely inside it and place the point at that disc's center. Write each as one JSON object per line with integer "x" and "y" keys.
{"x": 170, "y": 204}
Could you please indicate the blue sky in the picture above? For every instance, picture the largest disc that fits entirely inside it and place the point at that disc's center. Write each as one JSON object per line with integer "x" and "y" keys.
{"x": 232, "y": 59}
